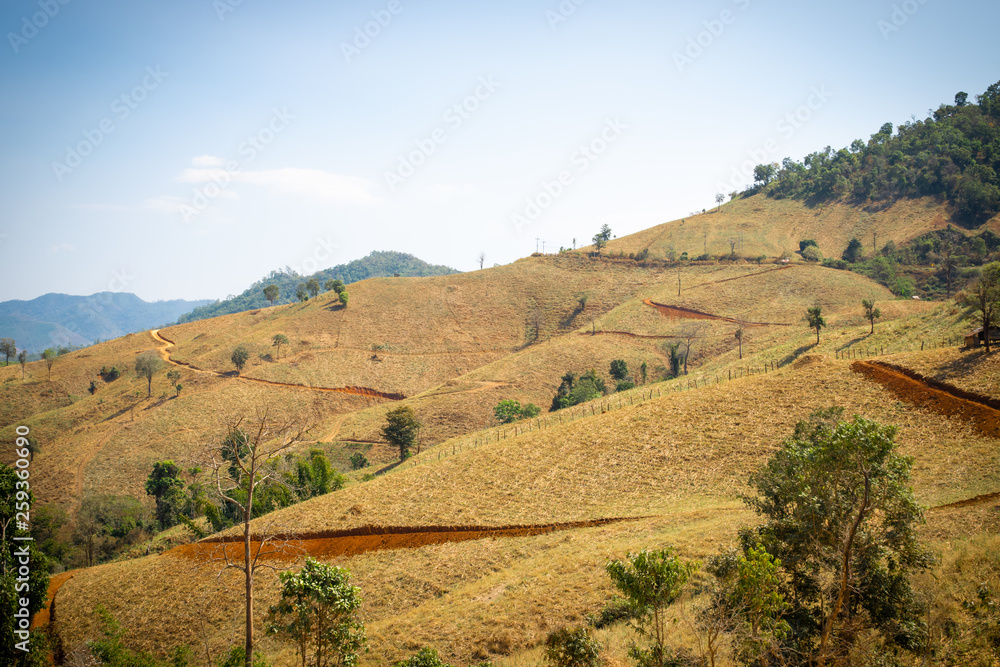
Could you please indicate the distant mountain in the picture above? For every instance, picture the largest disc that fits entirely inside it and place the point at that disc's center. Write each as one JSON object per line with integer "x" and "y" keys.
{"x": 377, "y": 264}
{"x": 62, "y": 320}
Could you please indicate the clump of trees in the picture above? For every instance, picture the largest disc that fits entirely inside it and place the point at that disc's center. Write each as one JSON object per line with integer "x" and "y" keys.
{"x": 509, "y": 410}
{"x": 574, "y": 390}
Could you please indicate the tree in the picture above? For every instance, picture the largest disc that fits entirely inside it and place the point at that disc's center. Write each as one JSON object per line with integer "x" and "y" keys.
{"x": 763, "y": 173}
{"x": 840, "y": 516}
{"x": 719, "y": 198}
{"x": 22, "y": 358}
{"x": 507, "y": 411}
{"x": 277, "y": 341}
{"x": 49, "y": 357}
{"x": 601, "y": 238}
{"x": 173, "y": 377}
{"x": 165, "y": 485}
{"x": 313, "y": 286}
{"x": 271, "y": 293}
{"x": 8, "y": 349}
{"x": 738, "y": 334}
{"x": 481, "y": 258}
{"x": 871, "y": 312}
{"x": 343, "y": 298}
{"x": 814, "y": 316}
{"x": 238, "y": 470}
{"x": 400, "y": 429}
{"x": 619, "y": 370}
{"x": 239, "y": 358}
{"x": 147, "y": 365}
{"x": 651, "y": 581}
{"x": 961, "y": 99}
{"x": 643, "y": 371}
{"x": 984, "y": 297}
{"x": 337, "y": 285}
{"x": 854, "y": 252}
{"x": 301, "y": 293}
{"x": 318, "y": 610}
{"x": 688, "y": 335}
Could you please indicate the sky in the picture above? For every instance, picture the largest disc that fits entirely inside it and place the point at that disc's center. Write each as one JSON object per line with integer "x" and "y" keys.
{"x": 185, "y": 149}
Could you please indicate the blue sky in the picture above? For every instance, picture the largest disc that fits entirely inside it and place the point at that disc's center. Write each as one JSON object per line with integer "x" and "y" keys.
{"x": 185, "y": 149}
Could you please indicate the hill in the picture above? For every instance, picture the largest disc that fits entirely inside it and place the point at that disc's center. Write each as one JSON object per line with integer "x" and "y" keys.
{"x": 62, "y": 320}
{"x": 376, "y": 264}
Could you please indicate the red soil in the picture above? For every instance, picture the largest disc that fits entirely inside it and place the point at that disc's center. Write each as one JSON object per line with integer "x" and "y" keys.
{"x": 688, "y": 313}
{"x": 330, "y": 544}
{"x": 982, "y": 412}
{"x": 43, "y": 616}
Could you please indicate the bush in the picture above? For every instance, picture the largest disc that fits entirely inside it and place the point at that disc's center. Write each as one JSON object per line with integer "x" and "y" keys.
{"x": 625, "y": 385}
{"x": 426, "y": 657}
{"x": 572, "y": 648}
{"x": 358, "y": 461}
{"x": 811, "y": 254}
{"x": 613, "y": 612}
{"x": 836, "y": 264}
{"x": 530, "y": 411}
{"x": 238, "y": 657}
{"x": 109, "y": 374}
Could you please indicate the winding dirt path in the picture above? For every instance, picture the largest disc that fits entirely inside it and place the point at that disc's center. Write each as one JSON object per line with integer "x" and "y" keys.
{"x": 691, "y": 314}
{"x": 356, "y": 391}
{"x": 981, "y": 412}
{"x": 352, "y": 542}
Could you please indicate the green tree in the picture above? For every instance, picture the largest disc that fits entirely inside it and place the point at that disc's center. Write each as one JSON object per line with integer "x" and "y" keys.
{"x": 650, "y": 581}
{"x": 643, "y": 371}
{"x": 239, "y": 358}
{"x": 984, "y": 297}
{"x": 315, "y": 476}
{"x": 763, "y": 174}
{"x": 14, "y": 626}
{"x": 814, "y": 317}
{"x": 22, "y": 358}
{"x": 343, "y": 298}
{"x": 738, "y": 334}
{"x": 49, "y": 357}
{"x": 871, "y": 312}
{"x": 358, "y": 461}
{"x": 530, "y": 411}
{"x": 854, "y": 252}
{"x": 165, "y": 485}
{"x": 840, "y": 516}
{"x": 147, "y": 365}
{"x": 400, "y": 429}
{"x": 507, "y": 411}
{"x": 271, "y": 293}
{"x": 313, "y": 286}
{"x": 425, "y": 657}
{"x": 8, "y": 349}
{"x": 336, "y": 285}
{"x": 277, "y": 341}
{"x": 572, "y": 647}
{"x": 618, "y": 370}
{"x": 601, "y": 238}
{"x": 301, "y": 293}
{"x": 319, "y": 611}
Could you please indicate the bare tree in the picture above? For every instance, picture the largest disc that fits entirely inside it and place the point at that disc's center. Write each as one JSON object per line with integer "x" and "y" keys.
{"x": 237, "y": 470}
{"x": 719, "y": 198}
{"x": 481, "y": 258}
{"x": 688, "y": 335}
{"x": 732, "y": 246}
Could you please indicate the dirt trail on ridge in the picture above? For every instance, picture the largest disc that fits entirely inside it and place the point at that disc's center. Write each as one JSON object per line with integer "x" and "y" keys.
{"x": 691, "y": 314}
{"x": 981, "y": 412}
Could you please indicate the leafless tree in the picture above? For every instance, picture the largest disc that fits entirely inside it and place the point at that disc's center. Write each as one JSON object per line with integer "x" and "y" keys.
{"x": 688, "y": 335}
{"x": 237, "y": 470}
{"x": 481, "y": 258}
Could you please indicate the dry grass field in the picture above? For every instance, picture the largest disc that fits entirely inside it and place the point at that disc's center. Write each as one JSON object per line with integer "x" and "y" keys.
{"x": 672, "y": 456}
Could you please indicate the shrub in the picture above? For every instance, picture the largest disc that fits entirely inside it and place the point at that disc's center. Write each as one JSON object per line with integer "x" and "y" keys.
{"x": 811, "y": 254}
{"x": 572, "y": 648}
{"x": 426, "y": 657}
{"x": 613, "y": 612}
{"x": 358, "y": 461}
{"x": 109, "y": 374}
{"x": 530, "y": 411}
{"x": 625, "y": 385}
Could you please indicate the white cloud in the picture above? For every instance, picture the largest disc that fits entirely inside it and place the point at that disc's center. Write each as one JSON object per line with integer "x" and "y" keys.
{"x": 291, "y": 181}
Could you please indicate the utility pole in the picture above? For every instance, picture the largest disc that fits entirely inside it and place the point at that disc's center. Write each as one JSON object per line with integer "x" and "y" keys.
{"x": 543, "y": 247}
{"x": 678, "y": 282}
{"x": 536, "y": 243}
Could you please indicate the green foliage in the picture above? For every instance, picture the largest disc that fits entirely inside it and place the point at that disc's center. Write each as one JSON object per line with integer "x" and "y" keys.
{"x": 277, "y": 341}
{"x": 601, "y": 238}
{"x": 615, "y": 611}
{"x": 643, "y": 371}
{"x": 312, "y": 285}
{"x": 336, "y": 285}
{"x": 806, "y": 243}
{"x": 343, "y": 298}
{"x": 106, "y": 524}
{"x": 812, "y": 254}
{"x": 237, "y": 657}
{"x": 358, "y": 461}
{"x": 271, "y": 293}
{"x": 165, "y": 485}
{"x": 111, "y": 650}
{"x": 318, "y": 610}
{"x": 8, "y": 349}
{"x": 530, "y": 411}
{"x": 840, "y": 520}
{"x": 763, "y": 173}
{"x": 315, "y": 476}
{"x": 195, "y": 529}
{"x": 301, "y": 293}
{"x": 871, "y": 312}
{"x": 854, "y": 252}
{"x": 109, "y": 374}
{"x": 374, "y": 265}
{"x": 425, "y": 657}
{"x": 650, "y": 581}
{"x": 400, "y": 429}
{"x": 983, "y": 297}
{"x": 619, "y": 370}
{"x": 49, "y": 357}
{"x": 239, "y": 357}
{"x": 814, "y": 317}
{"x": 676, "y": 360}
{"x": 625, "y": 385}
{"x": 574, "y": 647}
{"x": 147, "y": 365}
{"x": 507, "y": 411}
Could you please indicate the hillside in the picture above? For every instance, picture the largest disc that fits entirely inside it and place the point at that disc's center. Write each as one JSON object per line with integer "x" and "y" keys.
{"x": 376, "y": 264}
{"x": 491, "y": 536}
{"x": 62, "y": 320}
